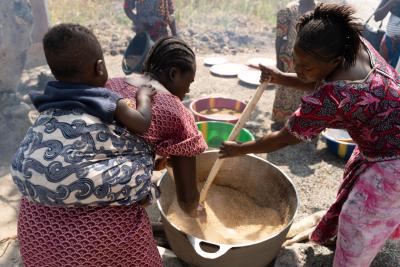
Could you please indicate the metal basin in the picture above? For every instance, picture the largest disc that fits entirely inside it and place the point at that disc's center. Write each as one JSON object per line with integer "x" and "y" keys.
{"x": 249, "y": 174}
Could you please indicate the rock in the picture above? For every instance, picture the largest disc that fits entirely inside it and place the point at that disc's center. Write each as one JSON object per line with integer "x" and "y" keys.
{"x": 191, "y": 32}
{"x": 15, "y": 30}
{"x": 113, "y": 52}
{"x": 41, "y": 22}
{"x": 252, "y": 125}
{"x": 205, "y": 38}
{"x": 308, "y": 254}
{"x": 14, "y": 124}
{"x": 43, "y": 78}
{"x": 9, "y": 252}
{"x": 169, "y": 258}
{"x": 290, "y": 257}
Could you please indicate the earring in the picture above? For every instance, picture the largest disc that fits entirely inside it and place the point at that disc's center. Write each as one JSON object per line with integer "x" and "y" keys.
{"x": 101, "y": 72}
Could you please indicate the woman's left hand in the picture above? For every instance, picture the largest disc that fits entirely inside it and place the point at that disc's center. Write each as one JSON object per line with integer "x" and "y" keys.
{"x": 230, "y": 149}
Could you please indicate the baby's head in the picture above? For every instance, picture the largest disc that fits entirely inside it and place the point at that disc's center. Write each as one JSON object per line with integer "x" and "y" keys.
{"x": 74, "y": 55}
{"x": 327, "y": 38}
{"x": 173, "y": 63}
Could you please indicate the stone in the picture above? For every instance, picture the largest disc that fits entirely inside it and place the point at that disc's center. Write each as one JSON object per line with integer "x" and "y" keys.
{"x": 15, "y": 38}
{"x": 41, "y": 23}
{"x": 14, "y": 124}
{"x": 169, "y": 258}
{"x": 304, "y": 254}
{"x": 290, "y": 257}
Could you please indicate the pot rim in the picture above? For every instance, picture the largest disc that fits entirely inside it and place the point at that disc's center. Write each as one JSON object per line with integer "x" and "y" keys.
{"x": 288, "y": 225}
{"x": 211, "y": 118}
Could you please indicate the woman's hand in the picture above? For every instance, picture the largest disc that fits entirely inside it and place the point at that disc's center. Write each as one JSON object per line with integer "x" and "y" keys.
{"x": 230, "y": 149}
{"x": 270, "y": 74}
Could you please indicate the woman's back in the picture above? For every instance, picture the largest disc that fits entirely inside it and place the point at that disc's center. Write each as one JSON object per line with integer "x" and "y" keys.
{"x": 368, "y": 108}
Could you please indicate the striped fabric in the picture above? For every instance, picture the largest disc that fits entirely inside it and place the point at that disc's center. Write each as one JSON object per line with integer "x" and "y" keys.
{"x": 393, "y": 26}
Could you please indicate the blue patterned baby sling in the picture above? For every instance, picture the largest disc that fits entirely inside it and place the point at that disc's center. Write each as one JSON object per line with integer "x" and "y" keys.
{"x": 71, "y": 158}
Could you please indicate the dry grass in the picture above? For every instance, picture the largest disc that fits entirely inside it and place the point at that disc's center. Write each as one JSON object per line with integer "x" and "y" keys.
{"x": 188, "y": 12}
{"x": 201, "y": 11}
{"x": 87, "y": 11}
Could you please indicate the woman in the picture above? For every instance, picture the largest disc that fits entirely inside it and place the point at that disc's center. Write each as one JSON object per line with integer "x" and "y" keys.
{"x": 83, "y": 176}
{"x": 287, "y": 100}
{"x": 354, "y": 89}
{"x": 390, "y": 45}
{"x": 152, "y": 16}
{"x": 170, "y": 67}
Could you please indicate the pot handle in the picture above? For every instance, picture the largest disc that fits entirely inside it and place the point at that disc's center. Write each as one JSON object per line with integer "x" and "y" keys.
{"x": 195, "y": 242}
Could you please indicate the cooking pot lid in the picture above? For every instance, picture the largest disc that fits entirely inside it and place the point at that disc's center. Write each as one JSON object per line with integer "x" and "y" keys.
{"x": 250, "y": 77}
{"x": 254, "y": 62}
{"x": 211, "y": 61}
{"x": 228, "y": 69}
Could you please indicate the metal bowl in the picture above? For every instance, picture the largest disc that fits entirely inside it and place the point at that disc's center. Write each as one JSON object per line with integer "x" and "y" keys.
{"x": 256, "y": 177}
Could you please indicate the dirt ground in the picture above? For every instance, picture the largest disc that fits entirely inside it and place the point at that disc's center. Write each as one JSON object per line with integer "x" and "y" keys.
{"x": 315, "y": 172}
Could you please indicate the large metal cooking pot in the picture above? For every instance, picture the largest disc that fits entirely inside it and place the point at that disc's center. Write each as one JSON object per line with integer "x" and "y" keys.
{"x": 256, "y": 177}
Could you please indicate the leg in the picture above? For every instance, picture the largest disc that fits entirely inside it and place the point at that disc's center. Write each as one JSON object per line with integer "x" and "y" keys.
{"x": 369, "y": 216}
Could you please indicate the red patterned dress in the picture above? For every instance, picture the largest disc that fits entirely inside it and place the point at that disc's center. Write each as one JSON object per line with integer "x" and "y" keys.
{"x": 113, "y": 235}
{"x": 367, "y": 209}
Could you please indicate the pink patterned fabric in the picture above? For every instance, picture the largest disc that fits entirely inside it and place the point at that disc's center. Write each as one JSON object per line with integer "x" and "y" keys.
{"x": 87, "y": 236}
{"x": 108, "y": 236}
{"x": 370, "y": 215}
{"x": 370, "y": 111}
{"x": 173, "y": 130}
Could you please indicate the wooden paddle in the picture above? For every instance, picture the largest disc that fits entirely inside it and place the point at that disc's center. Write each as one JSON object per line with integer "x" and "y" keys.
{"x": 232, "y": 137}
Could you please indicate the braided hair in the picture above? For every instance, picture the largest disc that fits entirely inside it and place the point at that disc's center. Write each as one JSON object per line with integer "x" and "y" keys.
{"x": 167, "y": 53}
{"x": 330, "y": 31}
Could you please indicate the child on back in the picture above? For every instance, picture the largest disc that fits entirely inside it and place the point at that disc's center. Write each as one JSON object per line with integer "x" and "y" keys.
{"x": 80, "y": 171}
{"x": 350, "y": 87}
{"x": 170, "y": 67}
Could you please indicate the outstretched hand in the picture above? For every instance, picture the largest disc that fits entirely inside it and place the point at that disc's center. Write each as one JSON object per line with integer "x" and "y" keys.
{"x": 270, "y": 74}
{"x": 230, "y": 149}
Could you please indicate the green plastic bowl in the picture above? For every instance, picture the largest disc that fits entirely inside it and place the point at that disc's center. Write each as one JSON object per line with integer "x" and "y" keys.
{"x": 215, "y": 132}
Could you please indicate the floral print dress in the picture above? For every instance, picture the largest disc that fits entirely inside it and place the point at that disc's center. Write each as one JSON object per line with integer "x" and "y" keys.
{"x": 367, "y": 210}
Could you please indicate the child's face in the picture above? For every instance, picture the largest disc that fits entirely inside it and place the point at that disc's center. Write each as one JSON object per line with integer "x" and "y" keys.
{"x": 181, "y": 82}
{"x": 310, "y": 69}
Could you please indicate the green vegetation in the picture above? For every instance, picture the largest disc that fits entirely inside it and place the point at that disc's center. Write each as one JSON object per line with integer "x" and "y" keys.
{"x": 188, "y": 12}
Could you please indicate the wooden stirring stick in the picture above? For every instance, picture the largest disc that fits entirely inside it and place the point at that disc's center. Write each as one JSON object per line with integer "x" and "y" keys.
{"x": 235, "y": 132}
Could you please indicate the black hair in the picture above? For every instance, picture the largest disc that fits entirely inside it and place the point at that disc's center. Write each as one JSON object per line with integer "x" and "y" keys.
{"x": 70, "y": 49}
{"x": 330, "y": 31}
{"x": 167, "y": 53}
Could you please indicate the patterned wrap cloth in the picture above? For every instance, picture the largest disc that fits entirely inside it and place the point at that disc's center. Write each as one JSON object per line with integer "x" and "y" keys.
{"x": 367, "y": 208}
{"x": 69, "y": 157}
{"x": 114, "y": 235}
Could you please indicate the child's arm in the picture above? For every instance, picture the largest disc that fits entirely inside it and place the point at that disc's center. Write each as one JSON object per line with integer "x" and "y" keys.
{"x": 283, "y": 78}
{"x": 268, "y": 143}
{"x": 139, "y": 120}
{"x": 186, "y": 183}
